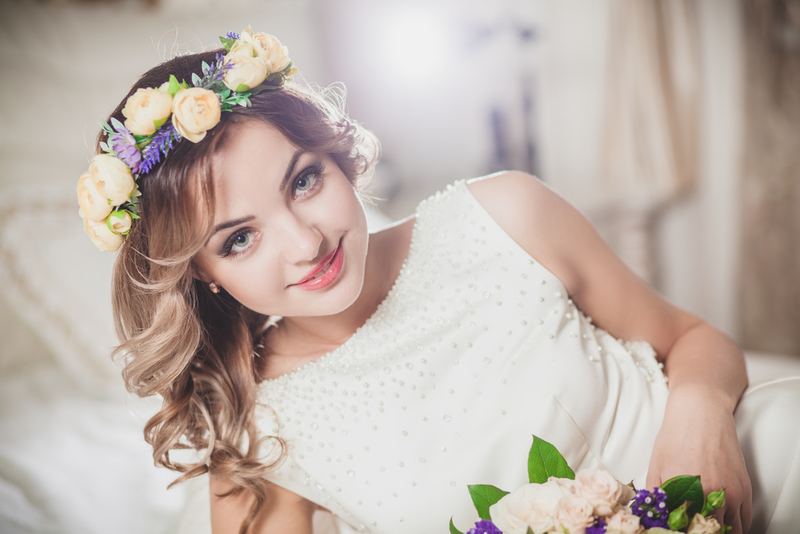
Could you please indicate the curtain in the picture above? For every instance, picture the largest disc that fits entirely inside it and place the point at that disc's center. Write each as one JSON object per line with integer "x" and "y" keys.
{"x": 770, "y": 188}
{"x": 651, "y": 126}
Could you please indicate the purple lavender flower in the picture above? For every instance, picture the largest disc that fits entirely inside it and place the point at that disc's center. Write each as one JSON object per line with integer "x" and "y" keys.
{"x": 232, "y": 35}
{"x": 213, "y": 74}
{"x": 598, "y": 527}
{"x": 161, "y": 143}
{"x": 124, "y": 146}
{"x": 484, "y": 526}
{"x": 651, "y": 507}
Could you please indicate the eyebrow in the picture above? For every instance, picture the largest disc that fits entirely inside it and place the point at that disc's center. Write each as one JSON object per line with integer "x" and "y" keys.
{"x": 229, "y": 224}
{"x": 281, "y": 187}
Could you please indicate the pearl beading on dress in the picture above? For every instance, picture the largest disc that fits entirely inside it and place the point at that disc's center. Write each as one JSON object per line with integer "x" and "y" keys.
{"x": 378, "y": 423}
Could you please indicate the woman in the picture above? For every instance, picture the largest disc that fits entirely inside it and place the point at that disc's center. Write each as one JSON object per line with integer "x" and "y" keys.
{"x": 374, "y": 375}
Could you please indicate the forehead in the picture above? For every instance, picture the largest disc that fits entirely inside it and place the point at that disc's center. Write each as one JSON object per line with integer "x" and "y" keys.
{"x": 249, "y": 164}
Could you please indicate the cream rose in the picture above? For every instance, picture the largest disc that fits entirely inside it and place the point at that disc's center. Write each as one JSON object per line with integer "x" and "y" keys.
{"x": 94, "y": 205}
{"x": 532, "y": 505}
{"x": 703, "y": 525}
{"x": 270, "y": 49}
{"x": 602, "y": 489}
{"x": 573, "y": 514}
{"x": 101, "y": 236}
{"x": 146, "y": 110}
{"x": 112, "y": 178}
{"x": 623, "y": 522}
{"x": 119, "y": 222}
{"x": 194, "y": 112}
{"x": 246, "y": 70}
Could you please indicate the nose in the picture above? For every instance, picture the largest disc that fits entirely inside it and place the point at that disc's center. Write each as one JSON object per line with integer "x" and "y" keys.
{"x": 302, "y": 239}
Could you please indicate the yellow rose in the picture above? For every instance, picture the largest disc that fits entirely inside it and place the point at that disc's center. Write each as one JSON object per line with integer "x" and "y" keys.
{"x": 246, "y": 71}
{"x": 112, "y": 178}
{"x": 146, "y": 110}
{"x": 194, "y": 112}
{"x": 242, "y": 48}
{"x": 269, "y": 48}
{"x": 119, "y": 222}
{"x": 94, "y": 205}
{"x": 101, "y": 236}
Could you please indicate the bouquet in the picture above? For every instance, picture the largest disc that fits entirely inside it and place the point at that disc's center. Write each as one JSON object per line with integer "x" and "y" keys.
{"x": 593, "y": 502}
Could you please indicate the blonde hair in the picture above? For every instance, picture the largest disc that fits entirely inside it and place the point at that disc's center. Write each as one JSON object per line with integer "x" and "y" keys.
{"x": 194, "y": 348}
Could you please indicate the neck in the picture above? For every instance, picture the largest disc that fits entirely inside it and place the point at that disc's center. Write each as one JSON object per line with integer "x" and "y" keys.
{"x": 296, "y": 341}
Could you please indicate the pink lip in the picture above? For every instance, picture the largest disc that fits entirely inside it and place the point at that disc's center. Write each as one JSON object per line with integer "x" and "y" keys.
{"x": 333, "y": 262}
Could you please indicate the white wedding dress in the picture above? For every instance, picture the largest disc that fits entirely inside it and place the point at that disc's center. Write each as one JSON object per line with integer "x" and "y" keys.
{"x": 476, "y": 348}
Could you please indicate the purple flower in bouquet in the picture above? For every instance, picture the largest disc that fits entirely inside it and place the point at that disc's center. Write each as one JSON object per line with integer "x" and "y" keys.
{"x": 484, "y": 527}
{"x": 651, "y": 507}
{"x": 598, "y": 527}
{"x": 124, "y": 146}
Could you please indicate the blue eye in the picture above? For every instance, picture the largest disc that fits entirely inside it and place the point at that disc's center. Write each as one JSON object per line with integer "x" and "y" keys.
{"x": 304, "y": 183}
{"x": 309, "y": 181}
{"x": 238, "y": 243}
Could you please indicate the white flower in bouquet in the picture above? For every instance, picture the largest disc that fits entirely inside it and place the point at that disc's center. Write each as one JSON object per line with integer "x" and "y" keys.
{"x": 532, "y": 505}
{"x": 623, "y": 522}
{"x": 703, "y": 525}
{"x": 599, "y": 487}
{"x": 574, "y": 514}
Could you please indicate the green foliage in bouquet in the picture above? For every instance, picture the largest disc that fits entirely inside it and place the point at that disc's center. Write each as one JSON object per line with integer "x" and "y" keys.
{"x": 683, "y": 499}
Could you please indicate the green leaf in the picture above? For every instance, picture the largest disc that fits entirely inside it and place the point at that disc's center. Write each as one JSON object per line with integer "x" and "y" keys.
{"x": 453, "y": 529}
{"x": 227, "y": 43}
{"x": 104, "y": 147}
{"x": 483, "y": 496}
{"x": 196, "y": 80}
{"x": 544, "y": 461}
{"x": 174, "y": 86}
{"x": 118, "y": 126}
{"x": 684, "y": 488}
{"x": 205, "y": 67}
{"x": 242, "y": 88}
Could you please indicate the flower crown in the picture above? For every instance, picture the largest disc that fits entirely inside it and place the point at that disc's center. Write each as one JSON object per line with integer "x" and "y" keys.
{"x": 158, "y": 117}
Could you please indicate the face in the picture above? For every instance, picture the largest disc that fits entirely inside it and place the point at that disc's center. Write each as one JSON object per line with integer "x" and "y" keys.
{"x": 290, "y": 234}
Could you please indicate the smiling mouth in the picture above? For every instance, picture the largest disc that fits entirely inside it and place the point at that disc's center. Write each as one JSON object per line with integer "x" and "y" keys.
{"x": 325, "y": 272}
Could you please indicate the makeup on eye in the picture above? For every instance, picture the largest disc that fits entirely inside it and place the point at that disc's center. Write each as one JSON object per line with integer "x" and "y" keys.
{"x": 308, "y": 181}
{"x": 238, "y": 243}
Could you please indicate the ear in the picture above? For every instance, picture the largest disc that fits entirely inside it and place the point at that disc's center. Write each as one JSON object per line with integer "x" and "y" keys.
{"x": 199, "y": 274}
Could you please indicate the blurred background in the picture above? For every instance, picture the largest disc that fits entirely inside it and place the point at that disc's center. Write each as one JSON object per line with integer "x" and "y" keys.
{"x": 674, "y": 125}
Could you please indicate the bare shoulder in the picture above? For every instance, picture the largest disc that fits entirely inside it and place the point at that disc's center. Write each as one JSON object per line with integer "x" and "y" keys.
{"x": 536, "y": 217}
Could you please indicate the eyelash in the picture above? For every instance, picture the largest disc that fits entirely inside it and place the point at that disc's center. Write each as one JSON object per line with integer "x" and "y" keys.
{"x": 227, "y": 248}
{"x": 315, "y": 170}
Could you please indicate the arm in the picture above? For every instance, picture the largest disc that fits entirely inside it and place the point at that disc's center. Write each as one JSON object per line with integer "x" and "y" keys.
{"x": 284, "y": 511}
{"x": 706, "y": 370}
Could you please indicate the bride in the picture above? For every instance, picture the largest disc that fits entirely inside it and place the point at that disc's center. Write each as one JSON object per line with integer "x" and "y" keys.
{"x": 315, "y": 366}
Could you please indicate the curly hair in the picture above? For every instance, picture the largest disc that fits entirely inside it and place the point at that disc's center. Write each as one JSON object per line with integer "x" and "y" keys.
{"x": 195, "y": 349}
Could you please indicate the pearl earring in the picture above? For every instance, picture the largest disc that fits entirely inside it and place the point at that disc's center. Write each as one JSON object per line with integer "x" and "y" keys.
{"x": 213, "y": 287}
